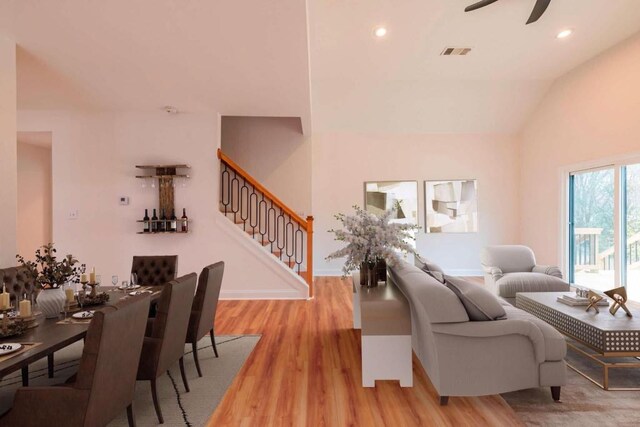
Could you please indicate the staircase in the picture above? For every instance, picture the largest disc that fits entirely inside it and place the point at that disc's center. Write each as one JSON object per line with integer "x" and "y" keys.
{"x": 266, "y": 219}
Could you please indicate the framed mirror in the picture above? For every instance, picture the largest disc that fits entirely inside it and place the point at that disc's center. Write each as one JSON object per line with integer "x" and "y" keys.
{"x": 402, "y": 196}
{"x": 451, "y": 206}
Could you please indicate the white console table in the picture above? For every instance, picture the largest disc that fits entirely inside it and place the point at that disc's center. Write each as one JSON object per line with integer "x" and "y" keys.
{"x": 384, "y": 316}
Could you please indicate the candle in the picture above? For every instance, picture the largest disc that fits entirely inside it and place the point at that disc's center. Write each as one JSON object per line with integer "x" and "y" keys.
{"x": 25, "y": 308}
{"x": 69, "y": 294}
{"x": 83, "y": 278}
{"x": 92, "y": 275}
{"x": 4, "y": 298}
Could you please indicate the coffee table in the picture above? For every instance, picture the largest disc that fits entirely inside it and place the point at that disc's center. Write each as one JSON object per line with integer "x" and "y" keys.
{"x": 604, "y": 336}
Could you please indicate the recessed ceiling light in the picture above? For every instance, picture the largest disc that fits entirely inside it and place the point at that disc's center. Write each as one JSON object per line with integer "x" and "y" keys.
{"x": 380, "y": 32}
{"x": 564, "y": 34}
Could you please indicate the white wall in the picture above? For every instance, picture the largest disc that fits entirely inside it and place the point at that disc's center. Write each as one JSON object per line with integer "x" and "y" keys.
{"x": 590, "y": 113}
{"x": 94, "y": 155}
{"x": 8, "y": 153}
{"x": 275, "y": 152}
{"x": 342, "y": 162}
{"x": 34, "y": 197}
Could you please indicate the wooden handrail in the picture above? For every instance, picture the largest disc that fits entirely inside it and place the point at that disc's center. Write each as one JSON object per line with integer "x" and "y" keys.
{"x": 307, "y": 224}
{"x": 251, "y": 180}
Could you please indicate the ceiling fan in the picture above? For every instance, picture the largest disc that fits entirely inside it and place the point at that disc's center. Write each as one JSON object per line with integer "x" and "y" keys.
{"x": 539, "y": 8}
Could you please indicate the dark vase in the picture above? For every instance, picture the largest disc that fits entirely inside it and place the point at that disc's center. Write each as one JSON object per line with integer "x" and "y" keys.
{"x": 368, "y": 274}
{"x": 381, "y": 271}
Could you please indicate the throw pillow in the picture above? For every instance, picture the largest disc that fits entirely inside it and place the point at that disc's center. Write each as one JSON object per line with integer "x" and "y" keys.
{"x": 481, "y": 305}
{"x": 429, "y": 267}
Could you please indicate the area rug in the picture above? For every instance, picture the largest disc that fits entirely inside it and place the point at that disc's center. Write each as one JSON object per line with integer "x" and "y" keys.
{"x": 178, "y": 407}
{"x": 583, "y": 403}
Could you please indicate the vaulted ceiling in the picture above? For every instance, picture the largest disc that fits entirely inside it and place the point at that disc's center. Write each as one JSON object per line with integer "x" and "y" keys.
{"x": 400, "y": 83}
{"x": 250, "y": 57}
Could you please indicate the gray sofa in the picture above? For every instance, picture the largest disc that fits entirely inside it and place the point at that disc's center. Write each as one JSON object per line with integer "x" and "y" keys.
{"x": 475, "y": 358}
{"x": 509, "y": 269}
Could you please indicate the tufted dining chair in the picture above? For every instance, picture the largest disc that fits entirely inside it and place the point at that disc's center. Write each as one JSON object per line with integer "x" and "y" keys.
{"x": 19, "y": 282}
{"x": 155, "y": 270}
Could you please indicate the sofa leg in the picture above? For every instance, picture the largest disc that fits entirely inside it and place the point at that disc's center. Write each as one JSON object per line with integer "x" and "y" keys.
{"x": 444, "y": 400}
{"x": 555, "y": 393}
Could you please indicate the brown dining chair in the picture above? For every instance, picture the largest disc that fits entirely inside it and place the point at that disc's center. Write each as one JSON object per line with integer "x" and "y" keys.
{"x": 104, "y": 384}
{"x": 164, "y": 340}
{"x": 203, "y": 310}
{"x": 155, "y": 270}
{"x": 19, "y": 282}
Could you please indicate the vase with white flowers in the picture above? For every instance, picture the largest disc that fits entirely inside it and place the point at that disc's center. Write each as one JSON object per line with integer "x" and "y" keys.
{"x": 372, "y": 243}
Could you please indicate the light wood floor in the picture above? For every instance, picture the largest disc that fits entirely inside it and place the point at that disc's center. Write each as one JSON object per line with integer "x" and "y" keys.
{"x": 305, "y": 371}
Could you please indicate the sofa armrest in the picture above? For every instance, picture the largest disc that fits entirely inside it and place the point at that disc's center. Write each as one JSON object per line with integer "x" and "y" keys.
{"x": 550, "y": 270}
{"x": 496, "y": 328}
{"x": 495, "y": 272}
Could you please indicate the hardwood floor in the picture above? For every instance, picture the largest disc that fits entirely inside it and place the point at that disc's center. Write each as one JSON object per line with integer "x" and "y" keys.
{"x": 305, "y": 371}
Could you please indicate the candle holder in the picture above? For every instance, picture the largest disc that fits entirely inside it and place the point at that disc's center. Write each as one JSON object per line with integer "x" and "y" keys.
{"x": 84, "y": 285}
{"x": 10, "y": 327}
{"x": 93, "y": 289}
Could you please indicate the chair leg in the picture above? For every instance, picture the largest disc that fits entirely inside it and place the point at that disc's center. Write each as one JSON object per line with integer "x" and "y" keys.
{"x": 50, "y": 365}
{"x": 194, "y": 346}
{"x": 444, "y": 400}
{"x": 25, "y": 376}
{"x": 130, "y": 417}
{"x": 154, "y": 395}
{"x": 184, "y": 376}
{"x": 555, "y": 393}
{"x": 213, "y": 342}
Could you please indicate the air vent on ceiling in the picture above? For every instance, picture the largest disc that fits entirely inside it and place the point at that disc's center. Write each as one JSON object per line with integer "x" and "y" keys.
{"x": 457, "y": 51}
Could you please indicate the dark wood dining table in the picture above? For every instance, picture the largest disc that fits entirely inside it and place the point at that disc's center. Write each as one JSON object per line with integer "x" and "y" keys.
{"x": 52, "y": 336}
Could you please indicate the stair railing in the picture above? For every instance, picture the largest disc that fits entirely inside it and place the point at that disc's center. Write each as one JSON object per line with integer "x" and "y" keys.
{"x": 261, "y": 214}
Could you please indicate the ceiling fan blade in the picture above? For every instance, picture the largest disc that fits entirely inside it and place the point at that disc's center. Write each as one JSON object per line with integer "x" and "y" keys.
{"x": 478, "y": 5}
{"x": 539, "y": 8}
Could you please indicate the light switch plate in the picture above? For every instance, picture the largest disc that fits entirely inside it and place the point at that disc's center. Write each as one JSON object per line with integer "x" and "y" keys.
{"x": 124, "y": 200}
{"x": 73, "y": 214}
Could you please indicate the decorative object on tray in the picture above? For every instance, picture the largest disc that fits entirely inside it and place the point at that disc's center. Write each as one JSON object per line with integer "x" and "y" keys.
{"x": 371, "y": 240}
{"x": 594, "y": 299}
{"x": 97, "y": 299}
{"x": 9, "y": 327}
{"x": 51, "y": 275}
{"x": 619, "y": 297}
{"x": 9, "y": 348}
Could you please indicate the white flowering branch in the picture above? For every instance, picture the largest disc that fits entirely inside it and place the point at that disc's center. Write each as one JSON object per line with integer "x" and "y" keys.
{"x": 371, "y": 238}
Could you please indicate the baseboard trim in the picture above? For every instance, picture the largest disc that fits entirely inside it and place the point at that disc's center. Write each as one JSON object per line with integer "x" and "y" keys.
{"x": 464, "y": 272}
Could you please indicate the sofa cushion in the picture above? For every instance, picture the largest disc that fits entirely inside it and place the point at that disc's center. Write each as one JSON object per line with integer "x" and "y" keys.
{"x": 512, "y": 283}
{"x": 429, "y": 267}
{"x": 440, "y": 303}
{"x": 555, "y": 346}
{"x": 479, "y": 303}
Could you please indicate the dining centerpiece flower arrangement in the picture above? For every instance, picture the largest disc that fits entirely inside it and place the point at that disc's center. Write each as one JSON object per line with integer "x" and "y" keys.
{"x": 373, "y": 242}
{"x": 51, "y": 274}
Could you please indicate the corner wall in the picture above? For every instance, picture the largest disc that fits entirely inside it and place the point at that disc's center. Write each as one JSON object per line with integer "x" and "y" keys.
{"x": 342, "y": 162}
{"x": 590, "y": 113}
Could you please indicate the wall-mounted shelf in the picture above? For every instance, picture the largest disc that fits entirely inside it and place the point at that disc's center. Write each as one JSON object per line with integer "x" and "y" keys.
{"x": 165, "y": 174}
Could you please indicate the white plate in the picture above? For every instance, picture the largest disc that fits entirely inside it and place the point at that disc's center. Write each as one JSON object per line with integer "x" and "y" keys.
{"x": 9, "y": 348}
{"x": 134, "y": 293}
{"x": 129, "y": 287}
{"x": 83, "y": 315}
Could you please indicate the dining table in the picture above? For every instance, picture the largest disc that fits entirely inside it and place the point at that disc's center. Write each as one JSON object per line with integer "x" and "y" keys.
{"x": 51, "y": 335}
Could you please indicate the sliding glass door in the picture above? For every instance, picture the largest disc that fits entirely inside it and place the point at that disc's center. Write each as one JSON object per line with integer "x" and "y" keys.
{"x": 592, "y": 228}
{"x": 604, "y": 228}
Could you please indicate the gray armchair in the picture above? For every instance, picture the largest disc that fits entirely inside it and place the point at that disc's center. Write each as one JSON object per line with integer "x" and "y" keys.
{"x": 509, "y": 269}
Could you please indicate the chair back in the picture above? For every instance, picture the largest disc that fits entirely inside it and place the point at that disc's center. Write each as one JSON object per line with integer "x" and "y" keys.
{"x": 110, "y": 358}
{"x": 508, "y": 258}
{"x": 155, "y": 270}
{"x": 18, "y": 281}
{"x": 172, "y": 320}
{"x": 205, "y": 303}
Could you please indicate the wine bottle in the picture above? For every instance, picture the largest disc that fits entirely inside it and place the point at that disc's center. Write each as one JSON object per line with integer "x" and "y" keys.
{"x": 163, "y": 222}
{"x": 174, "y": 221}
{"x": 154, "y": 222}
{"x": 147, "y": 226}
{"x": 185, "y": 221}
